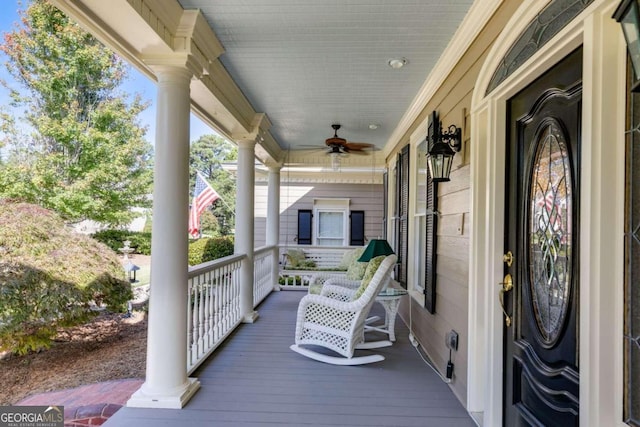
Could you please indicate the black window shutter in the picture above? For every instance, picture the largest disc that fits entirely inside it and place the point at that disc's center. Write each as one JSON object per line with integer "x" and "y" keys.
{"x": 402, "y": 208}
{"x": 304, "y": 226}
{"x": 385, "y": 203}
{"x": 356, "y": 237}
{"x": 431, "y": 229}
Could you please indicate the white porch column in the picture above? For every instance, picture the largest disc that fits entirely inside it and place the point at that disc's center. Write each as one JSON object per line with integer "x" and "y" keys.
{"x": 273, "y": 220}
{"x": 166, "y": 384}
{"x": 245, "y": 188}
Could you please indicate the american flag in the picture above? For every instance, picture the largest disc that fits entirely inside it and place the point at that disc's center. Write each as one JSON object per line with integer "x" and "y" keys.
{"x": 203, "y": 196}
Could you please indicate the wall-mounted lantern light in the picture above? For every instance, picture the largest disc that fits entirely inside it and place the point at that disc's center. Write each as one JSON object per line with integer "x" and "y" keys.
{"x": 440, "y": 155}
{"x": 628, "y": 15}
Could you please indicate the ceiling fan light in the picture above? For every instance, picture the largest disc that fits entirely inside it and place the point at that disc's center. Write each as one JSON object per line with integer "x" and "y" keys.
{"x": 335, "y": 160}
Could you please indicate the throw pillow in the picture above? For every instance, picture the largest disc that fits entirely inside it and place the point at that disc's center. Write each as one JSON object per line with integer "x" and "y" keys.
{"x": 295, "y": 257}
{"x": 356, "y": 270}
{"x": 349, "y": 258}
{"x": 368, "y": 274}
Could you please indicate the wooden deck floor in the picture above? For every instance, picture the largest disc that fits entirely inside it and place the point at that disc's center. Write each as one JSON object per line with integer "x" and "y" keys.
{"x": 255, "y": 379}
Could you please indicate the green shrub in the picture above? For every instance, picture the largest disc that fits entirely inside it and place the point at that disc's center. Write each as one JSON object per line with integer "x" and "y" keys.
{"x": 208, "y": 249}
{"x": 140, "y": 240}
{"x": 50, "y": 277}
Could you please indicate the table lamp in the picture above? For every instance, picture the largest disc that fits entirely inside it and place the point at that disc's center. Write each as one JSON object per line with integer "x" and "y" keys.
{"x": 376, "y": 247}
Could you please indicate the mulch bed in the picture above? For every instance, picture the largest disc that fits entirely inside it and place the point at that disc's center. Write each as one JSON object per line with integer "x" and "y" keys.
{"x": 109, "y": 347}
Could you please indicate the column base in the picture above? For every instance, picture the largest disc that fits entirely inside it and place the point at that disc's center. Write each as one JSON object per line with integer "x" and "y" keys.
{"x": 250, "y": 317}
{"x": 140, "y": 399}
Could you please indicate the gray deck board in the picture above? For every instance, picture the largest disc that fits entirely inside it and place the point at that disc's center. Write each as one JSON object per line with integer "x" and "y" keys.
{"x": 254, "y": 379}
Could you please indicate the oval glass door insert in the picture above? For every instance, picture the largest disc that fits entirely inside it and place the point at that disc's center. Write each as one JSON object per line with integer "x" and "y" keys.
{"x": 550, "y": 209}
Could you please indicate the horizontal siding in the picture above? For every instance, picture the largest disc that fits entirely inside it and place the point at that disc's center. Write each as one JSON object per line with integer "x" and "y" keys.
{"x": 260, "y": 200}
{"x": 452, "y": 101}
{"x": 365, "y": 197}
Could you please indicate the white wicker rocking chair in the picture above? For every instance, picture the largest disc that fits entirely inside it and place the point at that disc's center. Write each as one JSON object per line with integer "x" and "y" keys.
{"x": 335, "y": 320}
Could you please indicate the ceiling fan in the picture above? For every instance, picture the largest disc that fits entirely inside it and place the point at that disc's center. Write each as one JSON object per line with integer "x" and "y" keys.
{"x": 339, "y": 145}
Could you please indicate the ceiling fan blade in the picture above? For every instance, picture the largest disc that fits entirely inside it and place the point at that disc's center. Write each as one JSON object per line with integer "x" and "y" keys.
{"x": 358, "y": 146}
{"x": 359, "y": 152}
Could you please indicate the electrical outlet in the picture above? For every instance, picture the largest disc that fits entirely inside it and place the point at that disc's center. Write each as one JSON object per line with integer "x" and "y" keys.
{"x": 413, "y": 340}
{"x": 452, "y": 340}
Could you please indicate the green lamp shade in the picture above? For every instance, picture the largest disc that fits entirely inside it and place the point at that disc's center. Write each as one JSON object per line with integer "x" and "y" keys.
{"x": 376, "y": 247}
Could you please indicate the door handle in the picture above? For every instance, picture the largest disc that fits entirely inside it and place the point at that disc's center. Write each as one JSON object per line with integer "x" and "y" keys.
{"x": 507, "y": 285}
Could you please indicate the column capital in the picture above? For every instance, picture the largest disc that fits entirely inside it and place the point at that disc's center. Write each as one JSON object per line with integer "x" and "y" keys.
{"x": 195, "y": 36}
{"x": 260, "y": 125}
{"x": 246, "y": 143}
{"x": 173, "y": 63}
{"x": 191, "y": 43}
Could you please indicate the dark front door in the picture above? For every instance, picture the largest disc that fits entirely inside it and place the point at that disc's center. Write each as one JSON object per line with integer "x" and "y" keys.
{"x": 541, "y": 362}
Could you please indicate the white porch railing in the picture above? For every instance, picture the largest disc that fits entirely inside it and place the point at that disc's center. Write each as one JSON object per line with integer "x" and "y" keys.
{"x": 213, "y": 311}
{"x": 263, "y": 262}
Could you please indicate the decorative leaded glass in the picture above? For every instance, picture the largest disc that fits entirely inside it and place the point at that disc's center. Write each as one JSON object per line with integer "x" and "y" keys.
{"x": 631, "y": 335}
{"x": 547, "y": 24}
{"x": 550, "y": 210}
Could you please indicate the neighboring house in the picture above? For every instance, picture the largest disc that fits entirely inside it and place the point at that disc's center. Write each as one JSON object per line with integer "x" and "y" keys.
{"x": 542, "y": 195}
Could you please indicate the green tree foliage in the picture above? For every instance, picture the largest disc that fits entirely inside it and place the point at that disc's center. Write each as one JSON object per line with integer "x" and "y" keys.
{"x": 86, "y": 156}
{"x": 140, "y": 240}
{"x": 207, "y": 154}
{"x": 50, "y": 277}
{"x": 208, "y": 249}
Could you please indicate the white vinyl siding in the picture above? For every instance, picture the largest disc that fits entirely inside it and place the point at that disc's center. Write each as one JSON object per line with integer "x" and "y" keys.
{"x": 362, "y": 197}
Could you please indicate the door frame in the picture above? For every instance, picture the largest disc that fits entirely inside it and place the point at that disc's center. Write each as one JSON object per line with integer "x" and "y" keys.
{"x": 601, "y": 206}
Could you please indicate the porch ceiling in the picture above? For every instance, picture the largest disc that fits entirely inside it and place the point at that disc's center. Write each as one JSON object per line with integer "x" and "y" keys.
{"x": 286, "y": 70}
{"x": 308, "y": 64}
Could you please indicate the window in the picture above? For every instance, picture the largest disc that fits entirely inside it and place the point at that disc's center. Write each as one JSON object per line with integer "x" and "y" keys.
{"x": 331, "y": 224}
{"x": 420, "y": 218}
{"x": 330, "y": 228}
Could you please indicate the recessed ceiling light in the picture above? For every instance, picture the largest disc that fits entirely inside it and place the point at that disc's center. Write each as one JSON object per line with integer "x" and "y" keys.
{"x": 397, "y": 63}
{"x": 373, "y": 126}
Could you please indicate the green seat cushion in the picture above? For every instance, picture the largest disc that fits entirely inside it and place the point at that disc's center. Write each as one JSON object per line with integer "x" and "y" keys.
{"x": 370, "y": 271}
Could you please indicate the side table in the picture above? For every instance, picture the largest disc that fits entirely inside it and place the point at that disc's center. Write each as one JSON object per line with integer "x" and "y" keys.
{"x": 390, "y": 300}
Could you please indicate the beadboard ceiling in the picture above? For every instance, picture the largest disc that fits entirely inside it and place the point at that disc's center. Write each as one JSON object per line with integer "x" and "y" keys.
{"x": 309, "y": 63}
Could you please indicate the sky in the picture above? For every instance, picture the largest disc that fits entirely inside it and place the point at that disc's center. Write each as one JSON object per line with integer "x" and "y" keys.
{"x": 136, "y": 82}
